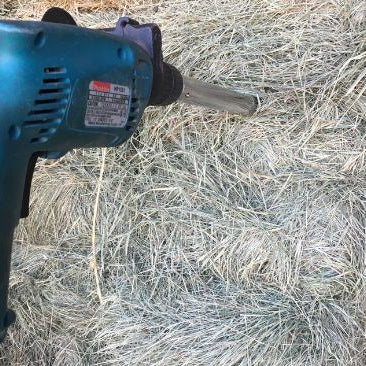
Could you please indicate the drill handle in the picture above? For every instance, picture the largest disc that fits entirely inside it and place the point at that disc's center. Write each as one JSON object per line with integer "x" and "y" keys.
{"x": 13, "y": 173}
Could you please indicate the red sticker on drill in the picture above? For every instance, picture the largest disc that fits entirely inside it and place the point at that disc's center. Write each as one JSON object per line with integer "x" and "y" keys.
{"x": 107, "y": 105}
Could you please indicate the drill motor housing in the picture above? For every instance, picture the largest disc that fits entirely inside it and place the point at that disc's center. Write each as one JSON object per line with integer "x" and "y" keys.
{"x": 64, "y": 87}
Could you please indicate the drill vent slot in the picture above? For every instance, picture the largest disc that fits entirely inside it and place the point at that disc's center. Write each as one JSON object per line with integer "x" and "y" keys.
{"x": 54, "y": 80}
{"x": 134, "y": 108}
{"x": 54, "y": 70}
{"x": 43, "y": 111}
{"x": 50, "y": 105}
{"x": 52, "y": 91}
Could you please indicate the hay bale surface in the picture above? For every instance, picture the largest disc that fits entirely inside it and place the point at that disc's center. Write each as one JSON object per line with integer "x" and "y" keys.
{"x": 218, "y": 240}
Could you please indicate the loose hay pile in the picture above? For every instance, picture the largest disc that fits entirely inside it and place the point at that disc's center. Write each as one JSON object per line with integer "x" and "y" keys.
{"x": 219, "y": 240}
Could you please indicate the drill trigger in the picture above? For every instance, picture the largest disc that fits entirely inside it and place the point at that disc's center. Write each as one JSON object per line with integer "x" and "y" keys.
{"x": 27, "y": 185}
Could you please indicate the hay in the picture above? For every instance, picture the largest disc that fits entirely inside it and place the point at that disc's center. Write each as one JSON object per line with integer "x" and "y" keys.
{"x": 219, "y": 240}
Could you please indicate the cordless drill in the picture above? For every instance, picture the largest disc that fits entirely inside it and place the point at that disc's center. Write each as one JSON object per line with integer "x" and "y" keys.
{"x": 64, "y": 87}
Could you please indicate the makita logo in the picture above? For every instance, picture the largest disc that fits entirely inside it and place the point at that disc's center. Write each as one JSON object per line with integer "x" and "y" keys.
{"x": 100, "y": 86}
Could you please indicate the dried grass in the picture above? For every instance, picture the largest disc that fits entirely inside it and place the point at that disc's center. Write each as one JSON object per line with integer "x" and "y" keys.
{"x": 220, "y": 240}
{"x": 37, "y": 8}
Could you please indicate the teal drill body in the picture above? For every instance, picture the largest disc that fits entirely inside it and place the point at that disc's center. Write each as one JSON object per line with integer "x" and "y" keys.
{"x": 61, "y": 87}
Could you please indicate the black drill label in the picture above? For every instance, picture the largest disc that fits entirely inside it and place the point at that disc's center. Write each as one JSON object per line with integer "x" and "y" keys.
{"x": 107, "y": 105}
